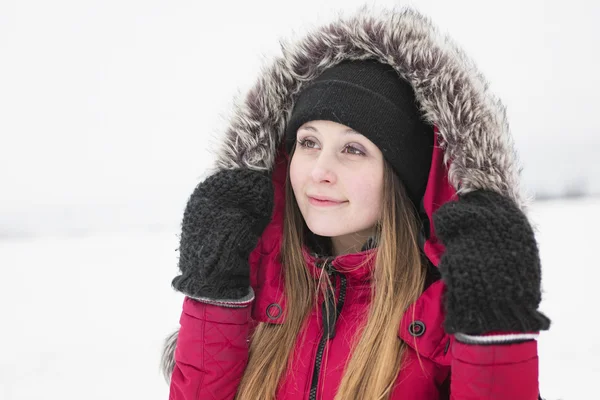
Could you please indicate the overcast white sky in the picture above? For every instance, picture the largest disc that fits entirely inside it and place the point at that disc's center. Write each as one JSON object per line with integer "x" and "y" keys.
{"x": 107, "y": 107}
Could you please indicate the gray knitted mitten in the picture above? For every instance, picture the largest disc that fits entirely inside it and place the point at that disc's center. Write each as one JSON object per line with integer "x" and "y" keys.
{"x": 491, "y": 266}
{"x": 222, "y": 223}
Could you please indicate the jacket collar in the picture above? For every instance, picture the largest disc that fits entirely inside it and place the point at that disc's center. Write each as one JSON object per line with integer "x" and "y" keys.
{"x": 357, "y": 267}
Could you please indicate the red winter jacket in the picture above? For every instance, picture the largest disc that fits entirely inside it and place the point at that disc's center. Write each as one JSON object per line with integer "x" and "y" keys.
{"x": 472, "y": 150}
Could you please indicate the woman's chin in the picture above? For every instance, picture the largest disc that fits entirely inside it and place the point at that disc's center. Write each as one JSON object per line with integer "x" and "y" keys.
{"x": 327, "y": 228}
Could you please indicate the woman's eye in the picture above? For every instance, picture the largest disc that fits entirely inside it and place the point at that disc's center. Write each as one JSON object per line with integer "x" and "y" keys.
{"x": 311, "y": 144}
{"x": 307, "y": 143}
{"x": 353, "y": 150}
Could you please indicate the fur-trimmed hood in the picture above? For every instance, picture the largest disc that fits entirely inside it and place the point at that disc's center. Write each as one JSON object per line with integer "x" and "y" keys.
{"x": 474, "y": 148}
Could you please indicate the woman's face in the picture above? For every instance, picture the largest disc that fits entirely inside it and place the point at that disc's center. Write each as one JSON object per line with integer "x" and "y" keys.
{"x": 332, "y": 162}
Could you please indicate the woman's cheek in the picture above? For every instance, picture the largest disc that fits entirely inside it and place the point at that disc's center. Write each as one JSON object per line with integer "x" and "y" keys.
{"x": 295, "y": 170}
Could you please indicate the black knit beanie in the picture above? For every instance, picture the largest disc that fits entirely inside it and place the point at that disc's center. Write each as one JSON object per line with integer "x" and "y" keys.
{"x": 371, "y": 98}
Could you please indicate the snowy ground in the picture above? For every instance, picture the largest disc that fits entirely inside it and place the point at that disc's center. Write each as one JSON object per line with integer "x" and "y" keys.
{"x": 85, "y": 317}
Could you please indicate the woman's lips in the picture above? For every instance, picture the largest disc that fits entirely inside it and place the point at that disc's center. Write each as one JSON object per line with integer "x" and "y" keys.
{"x": 324, "y": 203}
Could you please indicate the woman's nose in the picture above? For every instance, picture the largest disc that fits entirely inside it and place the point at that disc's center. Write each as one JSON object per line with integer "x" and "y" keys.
{"x": 324, "y": 169}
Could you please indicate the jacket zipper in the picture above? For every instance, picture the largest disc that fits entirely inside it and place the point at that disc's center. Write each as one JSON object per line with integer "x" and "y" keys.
{"x": 328, "y": 322}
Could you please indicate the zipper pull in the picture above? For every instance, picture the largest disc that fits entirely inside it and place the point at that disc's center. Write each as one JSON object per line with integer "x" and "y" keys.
{"x": 329, "y": 301}
{"x": 326, "y": 264}
{"x": 329, "y": 319}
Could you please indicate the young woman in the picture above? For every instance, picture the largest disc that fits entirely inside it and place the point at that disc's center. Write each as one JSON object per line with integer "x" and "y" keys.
{"x": 363, "y": 235}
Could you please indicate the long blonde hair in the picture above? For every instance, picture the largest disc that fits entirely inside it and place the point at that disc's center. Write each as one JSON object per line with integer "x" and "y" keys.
{"x": 397, "y": 281}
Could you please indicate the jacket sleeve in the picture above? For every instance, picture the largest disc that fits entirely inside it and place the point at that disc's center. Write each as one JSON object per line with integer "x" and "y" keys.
{"x": 494, "y": 371}
{"x": 211, "y": 352}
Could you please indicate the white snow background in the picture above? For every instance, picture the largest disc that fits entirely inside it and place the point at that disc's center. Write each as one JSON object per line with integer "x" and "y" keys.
{"x": 107, "y": 111}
